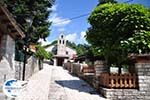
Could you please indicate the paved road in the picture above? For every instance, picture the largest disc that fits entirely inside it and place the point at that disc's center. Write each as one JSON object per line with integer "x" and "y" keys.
{"x": 64, "y": 86}
{"x": 38, "y": 85}
{"x": 55, "y": 83}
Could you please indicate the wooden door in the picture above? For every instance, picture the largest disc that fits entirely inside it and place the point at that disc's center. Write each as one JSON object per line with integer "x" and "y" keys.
{"x": 60, "y": 61}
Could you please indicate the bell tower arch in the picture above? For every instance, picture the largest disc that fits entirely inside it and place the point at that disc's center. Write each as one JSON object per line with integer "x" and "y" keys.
{"x": 61, "y": 43}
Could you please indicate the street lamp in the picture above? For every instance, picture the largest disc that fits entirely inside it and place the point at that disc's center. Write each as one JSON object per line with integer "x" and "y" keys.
{"x": 29, "y": 21}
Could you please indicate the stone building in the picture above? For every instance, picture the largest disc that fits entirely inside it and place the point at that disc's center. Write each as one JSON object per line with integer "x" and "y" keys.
{"x": 9, "y": 32}
{"x": 63, "y": 53}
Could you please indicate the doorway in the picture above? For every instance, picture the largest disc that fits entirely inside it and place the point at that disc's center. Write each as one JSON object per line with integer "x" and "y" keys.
{"x": 60, "y": 61}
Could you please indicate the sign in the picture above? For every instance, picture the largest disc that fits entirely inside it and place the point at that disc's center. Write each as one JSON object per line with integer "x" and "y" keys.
{"x": 12, "y": 87}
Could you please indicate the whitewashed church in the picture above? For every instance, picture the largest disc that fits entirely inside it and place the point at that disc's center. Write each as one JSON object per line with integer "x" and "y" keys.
{"x": 63, "y": 52}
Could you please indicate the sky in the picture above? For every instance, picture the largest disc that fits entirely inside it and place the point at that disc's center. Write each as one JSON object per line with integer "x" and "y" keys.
{"x": 64, "y": 10}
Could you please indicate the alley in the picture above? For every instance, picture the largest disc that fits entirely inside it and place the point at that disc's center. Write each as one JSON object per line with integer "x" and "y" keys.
{"x": 64, "y": 86}
{"x": 55, "y": 83}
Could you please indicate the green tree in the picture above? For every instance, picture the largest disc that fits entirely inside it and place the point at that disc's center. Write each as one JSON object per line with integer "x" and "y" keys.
{"x": 42, "y": 53}
{"x": 38, "y": 10}
{"x": 80, "y": 49}
{"x": 139, "y": 43}
{"x": 71, "y": 44}
{"x": 114, "y": 24}
{"x": 51, "y": 44}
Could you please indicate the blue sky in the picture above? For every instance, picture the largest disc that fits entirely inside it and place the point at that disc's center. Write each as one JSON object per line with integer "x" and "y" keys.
{"x": 64, "y": 10}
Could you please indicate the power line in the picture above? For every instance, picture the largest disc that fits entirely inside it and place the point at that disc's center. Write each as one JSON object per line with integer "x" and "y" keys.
{"x": 79, "y": 16}
{"x": 82, "y": 15}
{"x": 128, "y": 1}
{"x": 72, "y": 18}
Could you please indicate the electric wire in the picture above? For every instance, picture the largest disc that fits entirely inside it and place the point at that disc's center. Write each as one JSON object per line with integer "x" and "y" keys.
{"x": 83, "y": 15}
{"x": 72, "y": 18}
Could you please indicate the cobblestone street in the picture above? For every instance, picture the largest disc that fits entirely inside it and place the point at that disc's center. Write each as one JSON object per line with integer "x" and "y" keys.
{"x": 64, "y": 86}
{"x": 55, "y": 83}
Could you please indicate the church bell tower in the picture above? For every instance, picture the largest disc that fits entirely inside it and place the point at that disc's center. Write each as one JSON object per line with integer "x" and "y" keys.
{"x": 61, "y": 43}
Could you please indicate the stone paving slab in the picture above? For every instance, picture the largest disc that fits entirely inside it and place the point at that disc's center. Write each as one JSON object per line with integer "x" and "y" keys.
{"x": 38, "y": 86}
{"x": 55, "y": 83}
{"x": 73, "y": 87}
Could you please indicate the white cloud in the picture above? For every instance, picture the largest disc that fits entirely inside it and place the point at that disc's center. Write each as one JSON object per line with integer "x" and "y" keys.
{"x": 71, "y": 37}
{"x": 83, "y": 33}
{"x": 58, "y": 21}
{"x": 61, "y": 29}
{"x": 82, "y": 39}
{"x": 44, "y": 42}
{"x": 53, "y": 8}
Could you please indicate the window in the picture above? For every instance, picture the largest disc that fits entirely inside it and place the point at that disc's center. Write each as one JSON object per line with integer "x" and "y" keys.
{"x": 59, "y": 41}
{"x": 61, "y": 36}
{"x": 66, "y": 52}
{"x": 63, "y": 42}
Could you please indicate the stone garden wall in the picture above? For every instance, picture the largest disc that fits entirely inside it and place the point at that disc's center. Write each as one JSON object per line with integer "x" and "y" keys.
{"x": 7, "y": 63}
{"x": 31, "y": 67}
{"x": 140, "y": 92}
{"x": 7, "y": 69}
{"x": 142, "y": 70}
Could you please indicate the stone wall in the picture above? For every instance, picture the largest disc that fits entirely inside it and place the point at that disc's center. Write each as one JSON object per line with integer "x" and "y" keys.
{"x": 7, "y": 65}
{"x": 31, "y": 67}
{"x": 7, "y": 69}
{"x": 68, "y": 66}
{"x": 143, "y": 71}
{"x": 76, "y": 69}
{"x": 121, "y": 94}
{"x": 100, "y": 67}
{"x": 124, "y": 94}
{"x": 142, "y": 92}
{"x": 19, "y": 70}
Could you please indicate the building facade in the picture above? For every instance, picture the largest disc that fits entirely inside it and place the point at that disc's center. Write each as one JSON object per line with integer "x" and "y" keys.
{"x": 63, "y": 52}
{"x": 9, "y": 32}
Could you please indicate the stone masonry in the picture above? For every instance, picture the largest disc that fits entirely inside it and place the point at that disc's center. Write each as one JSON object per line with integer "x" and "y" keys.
{"x": 142, "y": 69}
{"x": 32, "y": 66}
{"x": 7, "y": 66}
{"x": 7, "y": 69}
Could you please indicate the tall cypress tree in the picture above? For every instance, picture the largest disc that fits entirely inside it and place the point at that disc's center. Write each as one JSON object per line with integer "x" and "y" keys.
{"x": 38, "y": 10}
